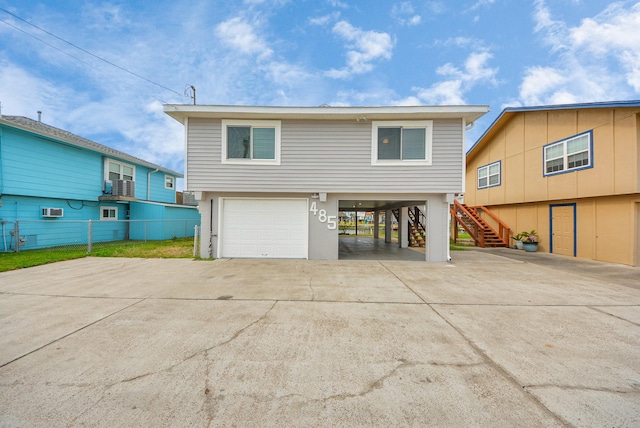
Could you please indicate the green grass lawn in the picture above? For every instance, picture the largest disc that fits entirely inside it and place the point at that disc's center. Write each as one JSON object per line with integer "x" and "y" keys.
{"x": 174, "y": 248}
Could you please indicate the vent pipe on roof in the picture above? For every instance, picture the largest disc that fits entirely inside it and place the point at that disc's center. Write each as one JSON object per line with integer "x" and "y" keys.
{"x": 39, "y": 116}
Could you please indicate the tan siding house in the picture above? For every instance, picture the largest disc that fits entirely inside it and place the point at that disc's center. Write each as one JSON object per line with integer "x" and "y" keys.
{"x": 571, "y": 172}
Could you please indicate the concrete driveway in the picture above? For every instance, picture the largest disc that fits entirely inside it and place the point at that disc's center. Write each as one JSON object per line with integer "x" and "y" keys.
{"x": 484, "y": 341}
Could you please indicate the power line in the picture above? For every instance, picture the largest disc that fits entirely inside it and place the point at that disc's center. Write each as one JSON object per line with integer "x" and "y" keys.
{"x": 81, "y": 49}
{"x": 46, "y": 43}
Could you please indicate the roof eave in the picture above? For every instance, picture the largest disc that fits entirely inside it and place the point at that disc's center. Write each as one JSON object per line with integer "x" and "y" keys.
{"x": 509, "y": 112}
{"x": 181, "y": 111}
{"x": 104, "y": 150}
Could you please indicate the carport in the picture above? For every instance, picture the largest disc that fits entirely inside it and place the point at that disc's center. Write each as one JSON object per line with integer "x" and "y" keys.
{"x": 407, "y": 216}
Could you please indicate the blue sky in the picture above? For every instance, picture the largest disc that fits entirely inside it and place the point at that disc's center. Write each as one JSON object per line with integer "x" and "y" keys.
{"x": 303, "y": 53}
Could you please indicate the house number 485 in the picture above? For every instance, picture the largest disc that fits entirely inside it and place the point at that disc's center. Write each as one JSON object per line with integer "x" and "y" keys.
{"x": 331, "y": 220}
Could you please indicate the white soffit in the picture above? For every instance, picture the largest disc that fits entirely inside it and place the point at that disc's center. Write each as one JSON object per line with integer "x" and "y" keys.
{"x": 468, "y": 112}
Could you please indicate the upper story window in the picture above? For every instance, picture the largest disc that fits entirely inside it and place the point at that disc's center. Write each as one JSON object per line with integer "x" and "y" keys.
{"x": 568, "y": 155}
{"x": 245, "y": 141}
{"x": 490, "y": 175}
{"x": 119, "y": 171}
{"x": 407, "y": 142}
{"x": 169, "y": 182}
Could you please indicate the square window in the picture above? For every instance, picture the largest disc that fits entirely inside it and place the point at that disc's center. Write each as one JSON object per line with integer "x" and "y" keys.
{"x": 571, "y": 154}
{"x": 115, "y": 170}
{"x": 109, "y": 213}
{"x": 401, "y": 142}
{"x": 490, "y": 175}
{"x": 169, "y": 181}
{"x": 251, "y": 141}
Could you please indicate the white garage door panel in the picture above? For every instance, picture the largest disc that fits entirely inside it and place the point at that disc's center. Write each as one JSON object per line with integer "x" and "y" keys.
{"x": 269, "y": 228}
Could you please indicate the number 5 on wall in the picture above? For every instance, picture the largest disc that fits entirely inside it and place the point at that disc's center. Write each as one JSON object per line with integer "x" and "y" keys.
{"x": 331, "y": 220}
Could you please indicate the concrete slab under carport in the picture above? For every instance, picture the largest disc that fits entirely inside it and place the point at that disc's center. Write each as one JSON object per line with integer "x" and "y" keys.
{"x": 376, "y": 343}
{"x": 369, "y": 248}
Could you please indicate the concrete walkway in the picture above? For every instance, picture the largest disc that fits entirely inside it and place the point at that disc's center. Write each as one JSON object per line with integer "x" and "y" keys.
{"x": 484, "y": 341}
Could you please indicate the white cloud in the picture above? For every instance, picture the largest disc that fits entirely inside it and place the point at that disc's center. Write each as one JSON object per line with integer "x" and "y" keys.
{"x": 240, "y": 35}
{"x": 436, "y": 7}
{"x": 448, "y": 92}
{"x": 104, "y": 16}
{"x": 404, "y": 14}
{"x": 589, "y": 58}
{"x": 283, "y": 73}
{"x": 461, "y": 42}
{"x": 325, "y": 19}
{"x": 452, "y": 90}
{"x": 540, "y": 80}
{"x": 365, "y": 47}
{"x": 338, "y": 3}
{"x": 481, "y": 3}
{"x": 34, "y": 94}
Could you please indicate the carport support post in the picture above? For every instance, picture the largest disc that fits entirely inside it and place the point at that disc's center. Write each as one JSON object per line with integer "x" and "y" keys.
{"x": 376, "y": 221}
{"x": 403, "y": 227}
{"x": 388, "y": 226}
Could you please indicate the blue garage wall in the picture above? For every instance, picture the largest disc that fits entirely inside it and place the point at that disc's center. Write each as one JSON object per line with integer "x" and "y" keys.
{"x": 169, "y": 221}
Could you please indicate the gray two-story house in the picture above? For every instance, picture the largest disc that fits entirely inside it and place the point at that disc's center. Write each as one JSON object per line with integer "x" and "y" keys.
{"x": 271, "y": 180}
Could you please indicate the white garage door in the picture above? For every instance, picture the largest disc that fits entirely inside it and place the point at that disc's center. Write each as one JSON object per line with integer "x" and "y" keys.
{"x": 269, "y": 228}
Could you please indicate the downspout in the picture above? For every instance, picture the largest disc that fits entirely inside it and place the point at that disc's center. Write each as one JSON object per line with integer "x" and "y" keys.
{"x": 149, "y": 183}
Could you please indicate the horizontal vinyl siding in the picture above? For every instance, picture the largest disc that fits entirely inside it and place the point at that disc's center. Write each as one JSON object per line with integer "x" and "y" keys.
{"x": 329, "y": 156}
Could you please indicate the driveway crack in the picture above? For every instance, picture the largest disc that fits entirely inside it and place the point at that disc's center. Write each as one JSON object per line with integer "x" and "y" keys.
{"x": 584, "y": 388}
{"x": 199, "y": 352}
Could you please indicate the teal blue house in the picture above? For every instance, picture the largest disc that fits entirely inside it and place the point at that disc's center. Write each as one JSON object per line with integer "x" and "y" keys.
{"x": 52, "y": 182}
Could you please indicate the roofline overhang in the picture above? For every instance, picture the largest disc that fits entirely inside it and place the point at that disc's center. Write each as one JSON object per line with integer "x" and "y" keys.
{"x": 469, "y": 113}
{"x": 89, "y": 145}
{"x": 509, "y": 112}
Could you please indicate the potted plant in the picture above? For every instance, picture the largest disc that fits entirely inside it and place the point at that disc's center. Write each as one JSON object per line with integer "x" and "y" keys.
{"x": 518, "y": 239}
{"x": 529, "y": 241}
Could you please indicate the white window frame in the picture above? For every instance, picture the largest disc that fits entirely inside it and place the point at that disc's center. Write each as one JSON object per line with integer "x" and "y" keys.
{"x": 275, "y": 124}
{"x": 109, "y": 218}
{"x": 169, "y": 179}
{"x": 122, "y": 165}
{"x": 427, "y": 125}
{"x": 488, "y": 177}
{"x": 565, "y": 155}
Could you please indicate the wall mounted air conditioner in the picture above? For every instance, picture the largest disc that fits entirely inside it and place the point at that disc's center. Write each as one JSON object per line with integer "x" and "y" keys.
{"x": 123, "y": 188}
{"x": 52, "y": 212}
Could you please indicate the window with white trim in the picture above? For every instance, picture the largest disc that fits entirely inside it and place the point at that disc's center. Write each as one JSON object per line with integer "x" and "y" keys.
{"x": 169, "y": 182}
{"x": 490, "y": 175}
{"x": 109, "y": 213}
{"x": 406, "y": 142}
{"x": 115, "y": 170}
{"x": 572, "y": 154}
{"x": 246, "y": 141}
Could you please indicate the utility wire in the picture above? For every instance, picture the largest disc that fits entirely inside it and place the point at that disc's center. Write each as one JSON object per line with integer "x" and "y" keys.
{"x": 83, "y": 50}
{"x": 47, "y": 43}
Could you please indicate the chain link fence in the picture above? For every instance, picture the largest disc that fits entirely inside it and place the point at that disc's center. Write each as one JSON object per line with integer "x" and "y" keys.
{"x": 55, "y": 234}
